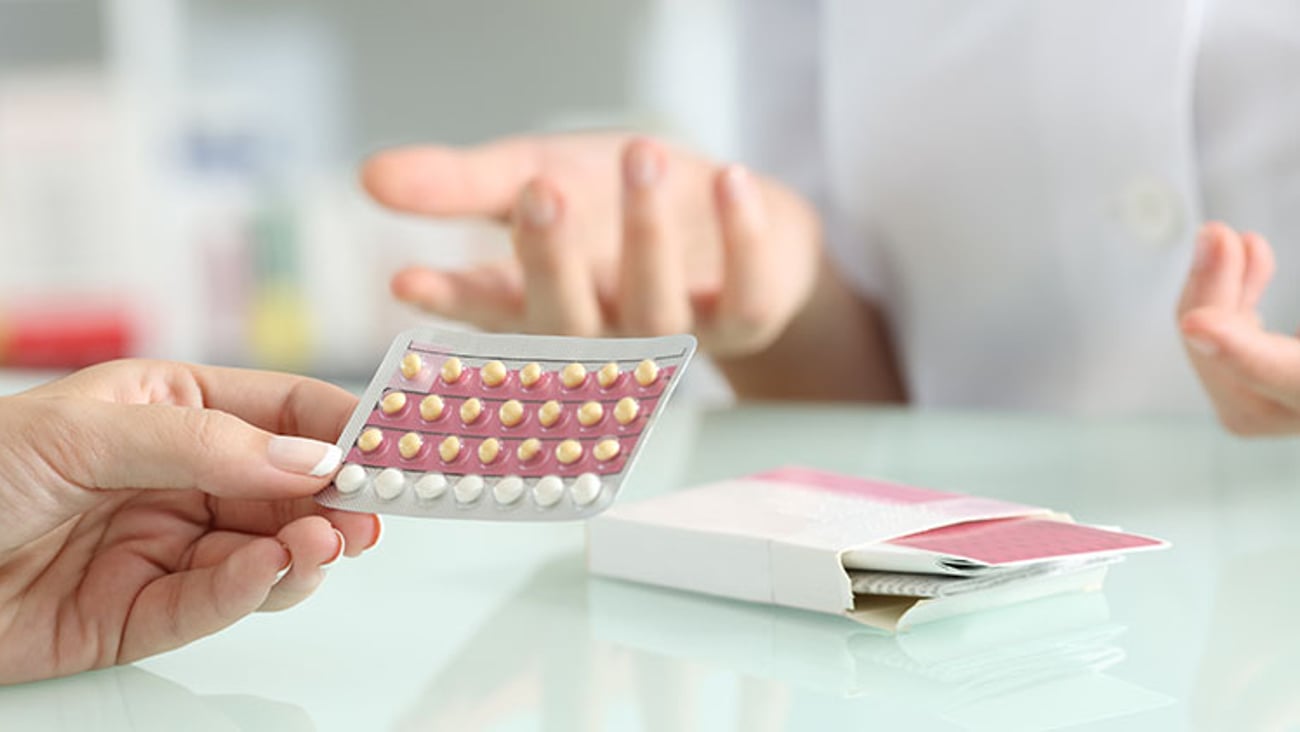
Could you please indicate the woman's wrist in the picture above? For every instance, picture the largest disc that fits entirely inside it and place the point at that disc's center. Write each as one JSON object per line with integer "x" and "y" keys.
{"x": 836, "y": 347}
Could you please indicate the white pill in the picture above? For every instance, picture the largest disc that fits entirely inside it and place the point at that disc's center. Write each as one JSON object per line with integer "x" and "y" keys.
{"x": 508, "y": 490}
{"x": 586, "y": 488}
{"x": 468, "y": 488}
{"x": 350, "y": 479}
{"x": 431, "y": 486}
{"x": 389, "y": 483}
{"x": 548, "y": 491}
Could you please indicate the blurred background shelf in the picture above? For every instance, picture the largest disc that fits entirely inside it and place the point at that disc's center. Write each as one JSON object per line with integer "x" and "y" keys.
{"x": 192, "y": 162}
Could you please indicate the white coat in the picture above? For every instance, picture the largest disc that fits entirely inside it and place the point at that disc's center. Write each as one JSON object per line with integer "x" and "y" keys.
{"x": 1018, "y": 183}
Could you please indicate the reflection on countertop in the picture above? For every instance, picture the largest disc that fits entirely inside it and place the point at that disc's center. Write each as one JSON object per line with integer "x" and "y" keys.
{"x": 130, "y": 698}
{"x": 572, "y": 653}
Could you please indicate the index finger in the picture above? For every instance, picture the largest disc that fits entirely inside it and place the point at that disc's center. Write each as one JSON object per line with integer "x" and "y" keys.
{"x": 442, "y": 181}
{"x": 285, "y": 404}
{"x": 282, "y": 403}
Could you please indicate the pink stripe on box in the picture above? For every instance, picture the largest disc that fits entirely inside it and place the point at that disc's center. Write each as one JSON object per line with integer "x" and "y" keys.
{"x": 853, "y": 486}
{"x": 1006, "y": 541}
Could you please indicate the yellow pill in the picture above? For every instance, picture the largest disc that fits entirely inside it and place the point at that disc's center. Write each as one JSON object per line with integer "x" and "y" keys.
{"x": 573, "y": 375}
{"x": 511, "y": 412}
{"x": 451, "y": 370}
{"x": 493, "y": 373}
{"x": 607, "y": 375}
{"x": 392, "y": 402}
{"x": 410, "y": 444}
{"x": 646, "y": 372}
{"x": 489, "y": 449}
{"x": 606, "y": 449}
{"x": 530, "y": 374}
{"x": 470, "y": 410}
{"x": 568, "y": 451}
{"x": 549, "y": 413}
{"x": 431, "y": 407}
{"x": 626, "y": 410}
{"x": 449, "y": 448}
{"x": 528, "y": 449}
{"x": 590, "y": 413}
{"x": 370, "y": 440}
{"x": 411, "y": 365}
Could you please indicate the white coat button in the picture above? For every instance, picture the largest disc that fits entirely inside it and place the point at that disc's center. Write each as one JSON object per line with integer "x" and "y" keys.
{"x": 1152, "y": 211}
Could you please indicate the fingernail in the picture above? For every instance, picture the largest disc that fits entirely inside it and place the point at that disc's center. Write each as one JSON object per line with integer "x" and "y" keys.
{"x": 736, "y": 184}
{"x": 738, "y": 189}
{"x": 288, "y": 562}
{"x": 379, "y": 532}
{"x": 642, "y": 168}
{"x": 337, "y": 554}
{"x": 537, "y": 206}
{"x": 1202, "y": 252}
{"x": 1203, "y": 346}
{"x": 303, "y": 456}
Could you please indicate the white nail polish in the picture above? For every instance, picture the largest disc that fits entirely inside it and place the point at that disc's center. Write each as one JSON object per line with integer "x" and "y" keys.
{"x": 303, "y": 456}
{"x": 342, "y": 548}
{"x": 329, "y": 462}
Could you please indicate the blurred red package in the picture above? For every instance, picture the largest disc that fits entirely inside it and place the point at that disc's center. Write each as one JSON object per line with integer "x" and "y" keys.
{"x": 65, "y": 332}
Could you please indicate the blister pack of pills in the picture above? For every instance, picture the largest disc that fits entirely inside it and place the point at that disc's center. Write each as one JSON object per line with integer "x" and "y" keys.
{"x": 503, "y": 427}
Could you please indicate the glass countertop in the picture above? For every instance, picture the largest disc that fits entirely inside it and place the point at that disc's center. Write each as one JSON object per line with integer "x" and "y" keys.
{"x": 470, "y": 626}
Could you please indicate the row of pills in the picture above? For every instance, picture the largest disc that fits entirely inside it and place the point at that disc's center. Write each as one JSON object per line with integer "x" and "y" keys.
{"x": 512, "y": 412}
{"x": 493, "y": 373}
{"x": 567, "y": 451}
{"x": 390, "y": 483}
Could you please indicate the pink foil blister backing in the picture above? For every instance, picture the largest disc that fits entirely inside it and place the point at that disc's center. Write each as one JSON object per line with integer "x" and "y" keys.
{"x": 484, "y": 426}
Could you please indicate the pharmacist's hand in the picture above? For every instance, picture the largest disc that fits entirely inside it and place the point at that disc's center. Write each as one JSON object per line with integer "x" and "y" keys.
{"x": 613, "y": 235}
{"x": 1251, "y": 374}
{"x": 145, "y": 504}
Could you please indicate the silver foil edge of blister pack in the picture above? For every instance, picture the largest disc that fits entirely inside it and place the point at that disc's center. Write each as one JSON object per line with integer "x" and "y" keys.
{"x": 482, "y": 347}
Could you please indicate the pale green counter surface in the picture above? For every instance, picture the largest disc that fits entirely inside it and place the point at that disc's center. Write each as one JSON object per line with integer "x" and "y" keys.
{"x": 466, "y": 626}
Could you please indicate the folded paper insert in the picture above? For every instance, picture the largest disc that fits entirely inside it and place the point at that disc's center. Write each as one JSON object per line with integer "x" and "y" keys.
{"x": 804, "y": 538}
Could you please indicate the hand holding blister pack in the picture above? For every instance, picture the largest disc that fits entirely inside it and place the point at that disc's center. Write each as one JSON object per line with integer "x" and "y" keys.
{"x": 503, "y": 427}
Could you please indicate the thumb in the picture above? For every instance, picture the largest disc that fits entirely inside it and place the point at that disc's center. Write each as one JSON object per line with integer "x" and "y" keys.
{"x": 1269, "y": 362}
{"x": 108, "y": 446}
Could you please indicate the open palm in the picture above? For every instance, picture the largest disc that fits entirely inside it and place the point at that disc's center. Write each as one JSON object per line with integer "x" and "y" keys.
{"x": 1251, "y": 374}
{"x": 613, "y": 235}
